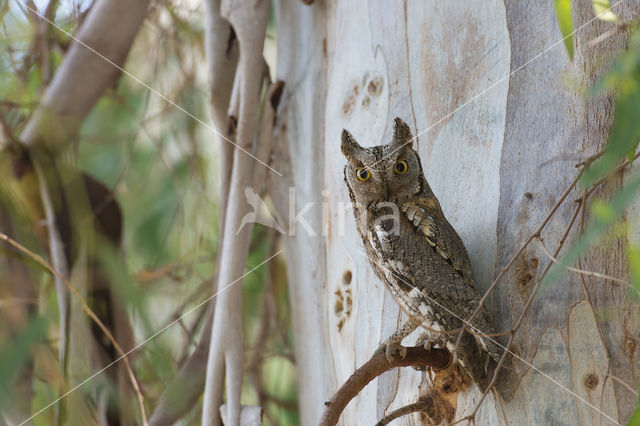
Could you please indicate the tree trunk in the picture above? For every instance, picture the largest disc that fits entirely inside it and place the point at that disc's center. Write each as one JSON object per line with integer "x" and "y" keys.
{"x": 500, "y": 131}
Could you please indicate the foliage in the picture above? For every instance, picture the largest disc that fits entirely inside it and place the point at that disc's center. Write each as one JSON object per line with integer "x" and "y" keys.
{"x": 563, "y": 11}
{"x": 162, "y": 167}
{"x": 13, "y": 357}
{"x": 622, "y": 82}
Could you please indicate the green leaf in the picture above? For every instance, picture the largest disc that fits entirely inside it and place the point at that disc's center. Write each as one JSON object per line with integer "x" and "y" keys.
{"x": 563, "y": 11}
{"x": 16, "y": 352}
{"x": 624, "y": 136}
{"x": 605, "y": 216}
{"x": 625, "y": 69}
{"x": 634, "y": 420}
{"x": 624, "y": 80}
{"x": 602, "y": 9}
{"x": 603, "y": 211}
{"x": 633, "y": 254}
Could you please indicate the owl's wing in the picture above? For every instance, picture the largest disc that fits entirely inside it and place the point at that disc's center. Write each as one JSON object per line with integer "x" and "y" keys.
{"x": 430, "y": 223}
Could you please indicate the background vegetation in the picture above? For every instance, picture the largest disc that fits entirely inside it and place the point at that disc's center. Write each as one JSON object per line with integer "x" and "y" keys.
{"x": 162, "y": 167}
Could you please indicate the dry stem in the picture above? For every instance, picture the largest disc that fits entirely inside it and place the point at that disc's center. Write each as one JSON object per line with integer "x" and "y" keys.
{"x": 581, "y": 271}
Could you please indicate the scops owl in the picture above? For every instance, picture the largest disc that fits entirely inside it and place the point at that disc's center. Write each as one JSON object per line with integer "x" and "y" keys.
{"x": 416, "y": 252}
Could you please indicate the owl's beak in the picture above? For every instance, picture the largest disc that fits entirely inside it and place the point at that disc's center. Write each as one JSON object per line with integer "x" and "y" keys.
{"x": 385, "y": 193}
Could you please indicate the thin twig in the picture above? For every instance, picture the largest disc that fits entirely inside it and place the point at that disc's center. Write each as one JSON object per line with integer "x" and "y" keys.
{"x": 614, "y": 172}
{"x": 536, "y": 234}
{"x": 524, "y": 312}
{"x": 403, "y": 411}
{"x": 88, "y": 311}
{"x": 605, "y": 35}
{"x": 581, "y": 271}
{"x": 520, "y": 251}
{"x": 623, "y": 383}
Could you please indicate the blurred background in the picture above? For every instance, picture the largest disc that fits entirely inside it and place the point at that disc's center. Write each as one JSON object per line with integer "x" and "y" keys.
{"x": 163, "y": 169}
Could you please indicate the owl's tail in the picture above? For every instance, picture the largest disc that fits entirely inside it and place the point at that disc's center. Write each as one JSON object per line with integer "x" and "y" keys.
{"x": 507, "y": 379}
{"x": 481, "y": 360}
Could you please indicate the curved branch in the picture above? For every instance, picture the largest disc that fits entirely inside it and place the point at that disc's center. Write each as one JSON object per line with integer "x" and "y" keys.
{"x": 421, "y": 405}
{"x": 581, "y": 271}
{"x": 417, "y": 356}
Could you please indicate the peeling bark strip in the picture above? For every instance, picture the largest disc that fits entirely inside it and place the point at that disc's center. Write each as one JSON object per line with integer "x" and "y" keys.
{"x": 224, "y": 365}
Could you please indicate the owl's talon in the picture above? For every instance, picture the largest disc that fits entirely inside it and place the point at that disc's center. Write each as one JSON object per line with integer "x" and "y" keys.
{"x": 392, "y": 351}
{"x": 428, "y": 341}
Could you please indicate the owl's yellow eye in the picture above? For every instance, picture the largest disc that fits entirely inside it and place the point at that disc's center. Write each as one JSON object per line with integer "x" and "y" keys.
{"x": 362, "y": 174}
{"x": 401, "y": 167}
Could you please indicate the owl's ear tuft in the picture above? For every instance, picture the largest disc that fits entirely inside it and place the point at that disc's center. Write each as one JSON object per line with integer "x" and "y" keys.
{"x": 401, "y": 133}
{"x": 350, "y": 148}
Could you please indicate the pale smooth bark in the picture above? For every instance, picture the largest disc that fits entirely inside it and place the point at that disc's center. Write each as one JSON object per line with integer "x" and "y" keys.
{"x": 249, "y": 415}
{"x": 221, "y": 46}
{"x": 357, "y": 65}
{"x": 249, "y": 21}
{"x": 60, "y": 264}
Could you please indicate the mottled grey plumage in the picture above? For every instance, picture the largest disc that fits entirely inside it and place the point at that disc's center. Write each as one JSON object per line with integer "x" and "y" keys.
{"x": 422, "y": 261}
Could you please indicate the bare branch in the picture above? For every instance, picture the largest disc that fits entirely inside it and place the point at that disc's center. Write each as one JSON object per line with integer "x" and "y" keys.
{"x": 536, "y": 233}
{"x": 421, "y": 405}
{"x": 221, "y": 45}
{"x": 59, "y": 261}
{"x": 581, "y": 271}
{"x": 417, "y": 356}
{"x": 584, "y": 164}
{"x": 518, "y": 323}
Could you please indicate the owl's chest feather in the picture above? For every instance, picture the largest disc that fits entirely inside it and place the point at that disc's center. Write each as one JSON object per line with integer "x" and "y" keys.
{"x": 392, "y": 255}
